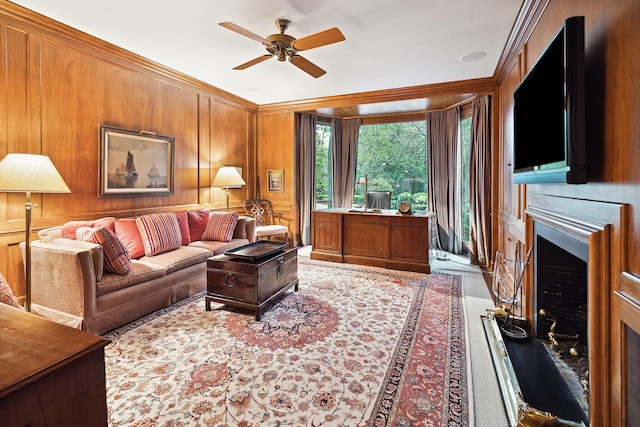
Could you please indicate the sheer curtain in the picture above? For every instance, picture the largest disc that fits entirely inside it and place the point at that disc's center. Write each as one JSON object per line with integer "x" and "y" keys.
{"x": 445, "y": 189}
{"x": 345, "y": 153}
{"x": 305, "y": 143}
{"x": 480, "y": 186}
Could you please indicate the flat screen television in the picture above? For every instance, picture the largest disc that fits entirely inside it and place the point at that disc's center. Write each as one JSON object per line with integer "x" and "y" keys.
{"x": 549, "y": 113}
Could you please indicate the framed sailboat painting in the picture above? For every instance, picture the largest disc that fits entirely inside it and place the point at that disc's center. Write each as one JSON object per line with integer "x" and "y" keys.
{"x": 135, "y": 163}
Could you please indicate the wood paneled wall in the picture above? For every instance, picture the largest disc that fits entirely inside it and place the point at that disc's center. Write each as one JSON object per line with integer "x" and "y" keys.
{"x": 613, "y": 142}
{"x": 275, "y": 151}
{"x": 57, "y": 85}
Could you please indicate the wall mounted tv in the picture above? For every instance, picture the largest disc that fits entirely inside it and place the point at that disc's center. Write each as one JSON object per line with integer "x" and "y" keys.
{"x": 549, "y": 113}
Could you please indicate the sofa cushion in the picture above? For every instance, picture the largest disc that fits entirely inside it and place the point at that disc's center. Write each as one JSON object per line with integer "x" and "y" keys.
{"x": 128, "y": 233}
{"x": 183, "y": 222}
{"x": 220, "y": 226}
{"x": 218, "y": 247}
{"x": 116, "y": 256}
{"x": 6, "y": 294}
{"x": 140, "y": 272}
{"x": 198, "y": 220}
{"x": 160, "y": 232}
{"x": 179, "y": 258}
{"x": 69, "y": 229}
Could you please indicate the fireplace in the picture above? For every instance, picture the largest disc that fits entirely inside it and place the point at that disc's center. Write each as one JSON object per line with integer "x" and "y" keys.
{"x": 547, "y": 379}
{"x": 561, "y": 295}
{"x": 560, "y": 324}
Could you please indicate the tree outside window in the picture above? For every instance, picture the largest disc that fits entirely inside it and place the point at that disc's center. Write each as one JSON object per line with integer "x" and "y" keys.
{"x": 394, "y": 158}
{"x": 323, "y": 172}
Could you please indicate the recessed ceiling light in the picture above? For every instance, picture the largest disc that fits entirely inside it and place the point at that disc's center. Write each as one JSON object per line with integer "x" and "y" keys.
{"x": 473, "y": 56}
{"x": 254, "y": 89}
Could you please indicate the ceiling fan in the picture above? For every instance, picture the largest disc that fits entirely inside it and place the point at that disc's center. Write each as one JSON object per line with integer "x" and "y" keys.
{"x": 285, "y": 47}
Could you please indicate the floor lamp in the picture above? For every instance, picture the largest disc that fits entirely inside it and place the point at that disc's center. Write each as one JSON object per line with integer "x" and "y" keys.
{"x": 29, "y": 173}
{"x": 228, "y": 177}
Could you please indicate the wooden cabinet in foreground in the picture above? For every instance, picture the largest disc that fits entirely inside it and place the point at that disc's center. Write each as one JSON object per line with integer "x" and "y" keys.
{"x": 50, "y": 374}
{"x": 381, "y": 239}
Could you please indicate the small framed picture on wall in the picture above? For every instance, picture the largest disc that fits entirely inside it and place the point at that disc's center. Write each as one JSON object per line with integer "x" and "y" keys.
{"x": 276, "y": 180}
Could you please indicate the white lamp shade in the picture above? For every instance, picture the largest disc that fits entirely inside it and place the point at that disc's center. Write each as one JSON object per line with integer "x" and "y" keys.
{"x": 226, "y": 177}
{"x": 20, "y": 173}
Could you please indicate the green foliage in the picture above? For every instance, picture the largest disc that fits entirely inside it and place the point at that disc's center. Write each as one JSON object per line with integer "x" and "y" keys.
{"x": 323, "y": 163}
{"x": 394, "y": 157}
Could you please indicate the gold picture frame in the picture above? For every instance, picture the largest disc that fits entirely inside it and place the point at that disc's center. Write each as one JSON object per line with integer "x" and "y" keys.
{"x": 275, "y": 180}
{"x": 135, "y": 163}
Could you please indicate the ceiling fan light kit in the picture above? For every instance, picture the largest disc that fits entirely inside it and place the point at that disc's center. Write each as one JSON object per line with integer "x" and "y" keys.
{"x": 285, "y": 47}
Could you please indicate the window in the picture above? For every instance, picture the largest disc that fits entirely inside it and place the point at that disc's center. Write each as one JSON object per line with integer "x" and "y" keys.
{"x": 323, "y": 172}
{"x": 465, "y": 138}
{"x": 393, "y": 157}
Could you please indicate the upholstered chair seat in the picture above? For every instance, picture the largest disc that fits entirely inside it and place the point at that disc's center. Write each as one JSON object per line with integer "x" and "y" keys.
{"x": 268, "y": 222}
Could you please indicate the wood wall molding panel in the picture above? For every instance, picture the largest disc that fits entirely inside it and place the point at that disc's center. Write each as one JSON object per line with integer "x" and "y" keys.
{"x": 57, "y": 85}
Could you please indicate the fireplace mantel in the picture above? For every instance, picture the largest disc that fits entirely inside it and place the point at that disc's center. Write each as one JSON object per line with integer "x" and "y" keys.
{"x": 602, "y": 226}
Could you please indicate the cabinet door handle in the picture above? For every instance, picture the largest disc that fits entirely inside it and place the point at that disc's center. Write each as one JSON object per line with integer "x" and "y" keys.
{"x": 230, "y": 280}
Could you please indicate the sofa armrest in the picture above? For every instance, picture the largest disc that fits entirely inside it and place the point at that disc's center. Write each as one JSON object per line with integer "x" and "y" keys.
{"x": 63, "y": 278}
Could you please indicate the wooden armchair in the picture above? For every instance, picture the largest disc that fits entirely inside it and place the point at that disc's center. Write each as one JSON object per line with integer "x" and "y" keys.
{"x": 268, "y": 222}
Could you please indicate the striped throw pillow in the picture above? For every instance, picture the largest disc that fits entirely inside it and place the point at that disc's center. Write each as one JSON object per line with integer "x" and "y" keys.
{"x": 220, "y": 226}
{"x": 116, "y": 256}
{"x": 160, "y": 232}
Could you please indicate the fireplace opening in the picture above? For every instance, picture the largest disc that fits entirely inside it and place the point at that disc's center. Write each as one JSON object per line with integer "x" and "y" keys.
{"x": 561, "y": 297}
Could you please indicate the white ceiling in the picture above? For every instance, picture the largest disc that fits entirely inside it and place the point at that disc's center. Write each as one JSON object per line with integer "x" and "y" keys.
{"x": 389, "y": 43}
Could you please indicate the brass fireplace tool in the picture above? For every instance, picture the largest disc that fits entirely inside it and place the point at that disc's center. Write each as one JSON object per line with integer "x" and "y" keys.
{"x": 508, "y": 327}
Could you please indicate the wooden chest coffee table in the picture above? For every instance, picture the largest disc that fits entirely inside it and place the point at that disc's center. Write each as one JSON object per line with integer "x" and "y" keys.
{"x": 251, "y": 284}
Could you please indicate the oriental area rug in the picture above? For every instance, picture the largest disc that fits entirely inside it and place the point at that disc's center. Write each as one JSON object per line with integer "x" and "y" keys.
{"x": 355, "y": 346}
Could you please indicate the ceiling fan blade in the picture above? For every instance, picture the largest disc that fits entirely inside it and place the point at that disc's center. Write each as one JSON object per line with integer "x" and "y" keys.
{"x": 323, "y": 38}
{"x": 258, "y": 60}
{"x": 246, "y": 33}
{"x": 307, "y": 66}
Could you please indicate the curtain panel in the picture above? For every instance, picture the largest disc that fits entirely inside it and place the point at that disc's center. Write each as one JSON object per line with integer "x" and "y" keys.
{"x": 345, "y": 160}
{"x": 445, "y": 189}
{"x": 305, "y": 144}
{"x": 480, "y": 177}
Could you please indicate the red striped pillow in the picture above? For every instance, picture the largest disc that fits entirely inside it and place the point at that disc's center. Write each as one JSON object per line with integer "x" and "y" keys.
{"x": 183, "y": 222}
{"x": 160, "y": 232}
{"x": 116, "y": 256}
{"x": 220, "y": 226}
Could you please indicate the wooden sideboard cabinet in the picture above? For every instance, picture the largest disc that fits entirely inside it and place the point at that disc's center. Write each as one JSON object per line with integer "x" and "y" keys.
{"x": 382, "y": 239}
{"x": 50, "y": 374}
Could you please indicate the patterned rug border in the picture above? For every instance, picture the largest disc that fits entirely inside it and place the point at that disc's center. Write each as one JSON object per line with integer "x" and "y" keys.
{"x": 456, "y": 412}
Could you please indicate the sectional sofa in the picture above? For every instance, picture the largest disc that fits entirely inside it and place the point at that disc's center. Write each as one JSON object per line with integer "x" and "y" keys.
{"x": 100, "y": 275}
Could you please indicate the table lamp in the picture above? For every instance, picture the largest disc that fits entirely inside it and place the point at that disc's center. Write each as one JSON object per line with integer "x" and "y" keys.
{"x": 227, "y": 177}
{"x": 29, "y": 173}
